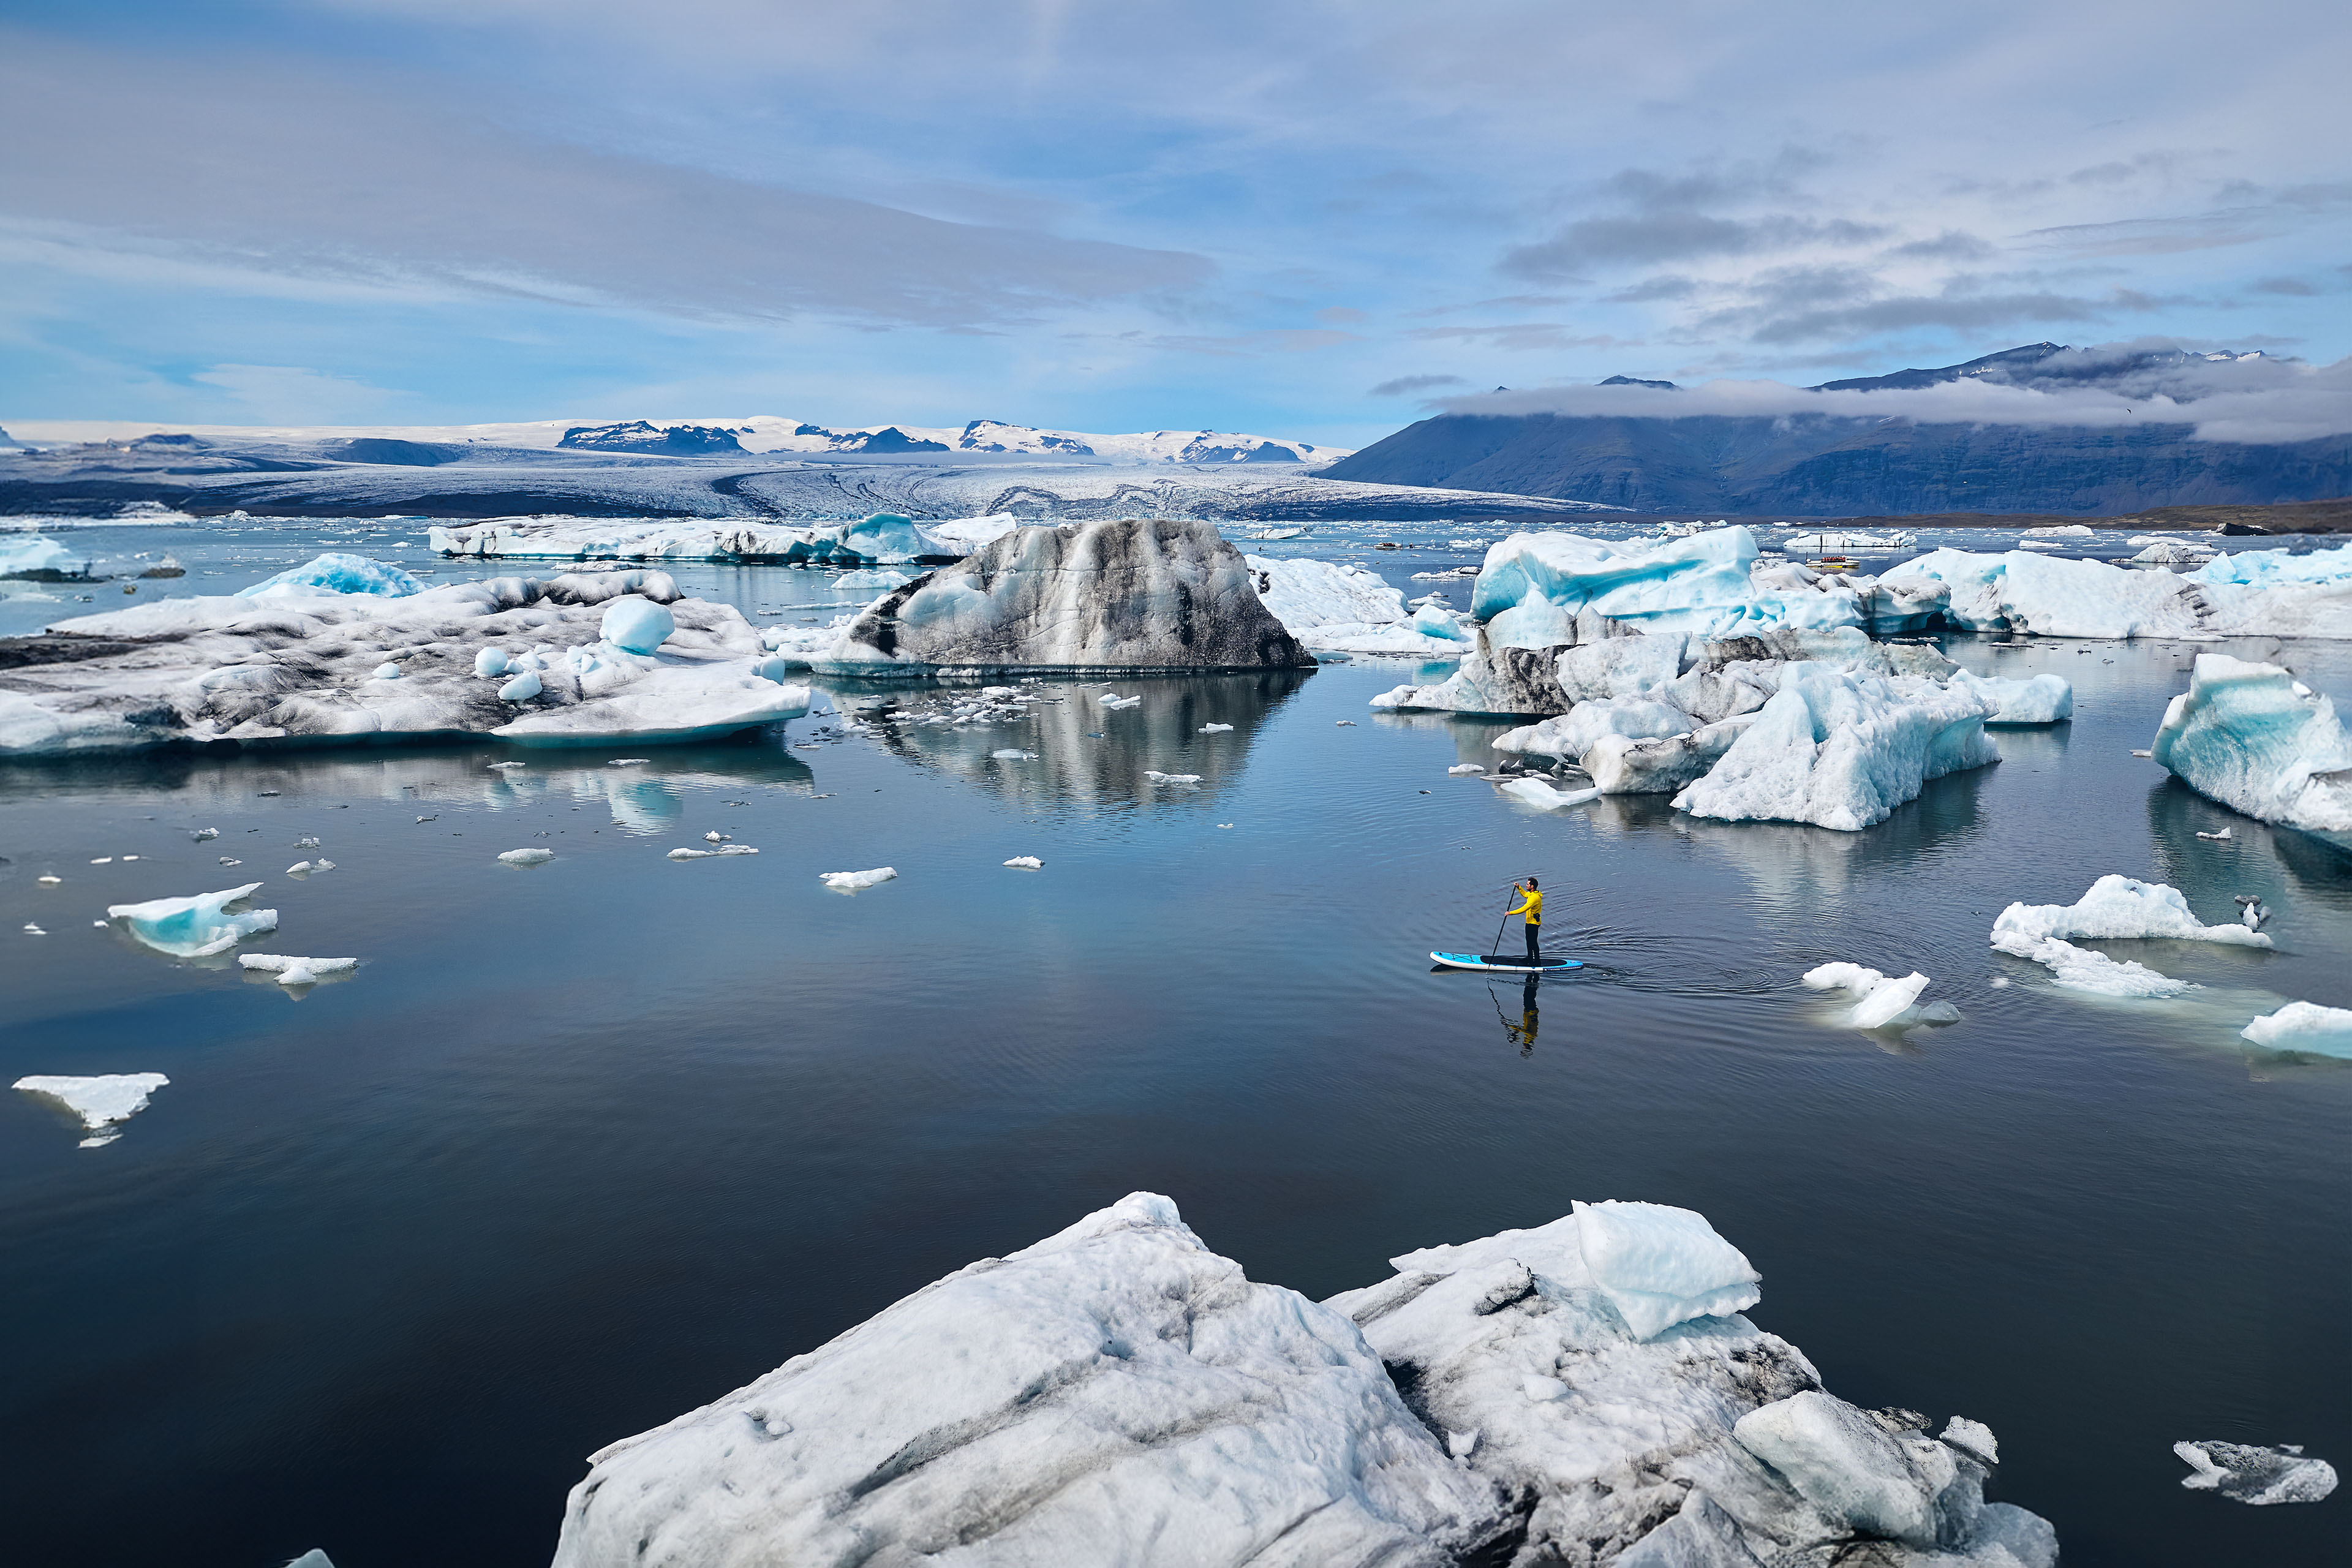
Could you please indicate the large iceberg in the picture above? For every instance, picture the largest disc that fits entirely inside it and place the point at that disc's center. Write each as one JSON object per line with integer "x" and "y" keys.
{"x": 525, "y": 660}
{"x": 1130, "y": 596}
{"x": 1842, "y": 751}
{"x": 2116, "y": 908}
{"x": 2256, "y": 739}
{"x": 884, "y": 539}
{"x": 198, "y": 926}
{"x": 1533, "y": 586}
{"x": 1119, "y": 1393}
{"x": 2252, "y": 593}
{"x": 35, "y": 557}
{"x": 1335, "y": 608}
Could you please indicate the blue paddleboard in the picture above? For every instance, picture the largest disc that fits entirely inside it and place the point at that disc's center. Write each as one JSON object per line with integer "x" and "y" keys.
{"x": 1504, "y": 963}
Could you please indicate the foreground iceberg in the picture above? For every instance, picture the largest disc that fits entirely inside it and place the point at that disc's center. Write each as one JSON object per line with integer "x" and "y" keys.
{"x": 523, "y": 660}
{"x": 884, "y": 539}
{"x": 195, "y": 927}
{"x": 2116, "y": 908}
{"x": 1115, "y": 1393}
{"x": 2261, "y": 1477}
{"x": 1130, "y": 596}
{"x": 1842, "y": 751}
{"x": 1118, "y": 1394}
{"x": 2037, "y": 699}
{"x": 103, "y": 1103}
{"x": 2303, "y": 1027}
{"x": 2256, "y": 739}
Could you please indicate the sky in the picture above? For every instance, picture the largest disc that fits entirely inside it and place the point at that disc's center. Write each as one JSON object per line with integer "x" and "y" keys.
{"x": 1310, "y": 220}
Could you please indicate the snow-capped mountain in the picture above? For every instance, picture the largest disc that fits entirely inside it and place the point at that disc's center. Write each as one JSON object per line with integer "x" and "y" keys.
{"x": 702, "y": 437}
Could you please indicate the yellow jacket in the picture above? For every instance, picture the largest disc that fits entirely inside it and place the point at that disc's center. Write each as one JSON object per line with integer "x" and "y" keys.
{"x": 1532, "y": 908}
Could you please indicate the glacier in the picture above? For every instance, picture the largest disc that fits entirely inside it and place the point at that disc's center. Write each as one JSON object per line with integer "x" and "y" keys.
{"x": 103, "y": 1103}
{"x": 524, "y": 659}
{"x": 1119, "y": 1392}
{"x": 884, "y": 539}
{"x": 2257, "y": 740}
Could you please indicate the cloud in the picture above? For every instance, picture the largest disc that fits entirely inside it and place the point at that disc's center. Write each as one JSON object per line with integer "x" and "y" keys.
{"x": 292, "y": 395}
{"x": 1949, "y": 246}
{"x": 1665, "y": 286}
{"x": 1405, "y": 384}
{"x": 1342, "y": 316}
{"x": 1656, "y": 236}
{"x": 1552, "y": 336}
{"x": 2114, "y": 385}
{"x": 1276, "y": 339}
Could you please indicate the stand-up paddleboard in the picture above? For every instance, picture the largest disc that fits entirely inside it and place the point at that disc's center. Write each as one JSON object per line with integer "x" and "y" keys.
{"x": 1504, "y": 963}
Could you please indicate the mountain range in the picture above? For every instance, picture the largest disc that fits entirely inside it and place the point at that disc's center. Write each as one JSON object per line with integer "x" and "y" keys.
{"x": 1841, "y": 463}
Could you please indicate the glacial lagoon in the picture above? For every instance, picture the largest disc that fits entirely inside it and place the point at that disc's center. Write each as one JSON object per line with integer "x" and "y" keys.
{"x": 583, "y": 1146}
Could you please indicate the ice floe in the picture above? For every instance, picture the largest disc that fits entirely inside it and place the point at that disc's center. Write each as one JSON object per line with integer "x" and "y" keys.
{"x": 2119, "y": 908}
{"x": 1543, "y": 796}
{"x": 883, "y": 538}
{"x": 1026, "y": 863}
{"x": 1131, "y": 597}
{"x": 858, "y": 882}
{"x": 724, "y": 851}
{"x": 527, "y": 856}
{"x": 198, "y": 926}
{"x": 2303, "y": 1027}
{"x": 2244, "y": 1472}
{"x": 288, "y": 970}
{"x": 336, "y": 573}
{"x": 2254, "y": 738}
{"x": 1880, "y": 1002}
{"x": 298, "y": 666}
{"x": 1335, "y": 608}
{"x": 103, "y": 1103}
{"x": 2036, "y": 700}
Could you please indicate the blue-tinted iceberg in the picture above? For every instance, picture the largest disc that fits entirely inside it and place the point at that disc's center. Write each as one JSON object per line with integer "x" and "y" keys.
{"x": 195, "y": 927}
{"x": 2303, "y": 1027}
{"x": 1533, "y": 587}
{"x": 336, "y": 573}
{"x": 1660, "y": 1266}
{"x": 38, "y": 558}
{"x": 636, "y": 625}
{"x": 2256, "y": 739}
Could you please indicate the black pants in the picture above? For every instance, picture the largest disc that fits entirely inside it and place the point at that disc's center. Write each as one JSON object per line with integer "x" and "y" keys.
{"x": 1535, "y": 933}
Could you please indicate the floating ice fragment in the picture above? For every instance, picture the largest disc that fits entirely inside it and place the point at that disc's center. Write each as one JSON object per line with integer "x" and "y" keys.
{"x": 1535, "y": 793}
{"x": 2256, "y": 1476}
{"x": 305, "y": 843}
{"x": 1115, "y": 703}
{"x": 1214, "y": 729}
{"x": 2217, "y": 837}
{"x": 1172, "y": 778}
{"x": 521, "y": 689}
{"x": 1026, "y": 863}
{"x": 103, "y": 1103}
{"x": 230, "y": 860}
{"x": 626, "y": 762}
{"x": 1012, "y": 754}
{"x": 434, "y": 818}
{"x": 203, "y": 833}
{"x": 1346, "y": 723}
{"x": 1459, "y": 768}
{"x": 2118, "y": 908}
{"x": 292, "y": 971}
{"x": 195, "y": 927}
{"x": 1880, "y": 1002}
{"x": 50, "y": 881}
{"x": 32, "y": 928}
{"x": 103, "y": 860}
{"x": 2140, "y": 753}
{"x": 854, "y": 882}
{"x": 712, "y": 854}
{"x": 130, "y": 858}
{"x": 2079, "y": 969}
{"x": 715, "y": 837}
{"x": 2303, "y": 1027}
{"x": 527, "y": 856}
{"x": 509, "y": 764}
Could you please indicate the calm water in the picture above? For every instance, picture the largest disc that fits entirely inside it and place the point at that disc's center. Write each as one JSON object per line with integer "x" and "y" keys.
{"x": 582, "y": 1147}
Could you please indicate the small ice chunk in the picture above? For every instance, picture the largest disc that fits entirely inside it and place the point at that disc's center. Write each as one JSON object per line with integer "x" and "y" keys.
{"x": 33, "y": 928}
{"x": 103, "y": 860}
{"x": 1214, "y": 729}
{"x": 50, "y": 881}
{"x": 1157, "y": 777}
{"x": 509, "y": 764}
{"x": 230, "y": 860}
{"x": 296, "y": 970}
{"x": 387, "y": 670}
{"x": 1013, "y": 755}
{"x": 1458, "y": 769}
{"x": 1535, "y": 793}
{"x": 1460, "y": 1445}
{"x": 527, "y": 856}
{"x": 203, "y": 833}
{"x": 305, "y": 843}
{"x": 1887, "y": 1000}
{"x": 103, "y": 1103}
{"x": 1660, "y": 1266}
{"x": 521, "y": 689}
{"x": 301, "y": 868}
{"x": 855, "y": 881}
{"x": 2303, "y": 1027}
{"x": 2219, "y": 837}
{"x": 1844, "y": 1463}
{"x": 198, "y": 926}
{"x": 1346, "y": 723}
{"x": 715, "y": 837}
{"x": 1031, "y": 863}
{"x": 636, "y": 623}
{"x": 1973, "y": 1438}
{"x": 491, "y": 661}
{"x": 2140, "y": 753}
{"x": 2247, "y": 1473}
{"x": 712, "y": 854}
{"x": 626, "y": 762}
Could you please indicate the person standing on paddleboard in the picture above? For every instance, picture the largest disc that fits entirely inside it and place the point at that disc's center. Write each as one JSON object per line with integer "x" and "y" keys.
{"x": 1531, "y": 905}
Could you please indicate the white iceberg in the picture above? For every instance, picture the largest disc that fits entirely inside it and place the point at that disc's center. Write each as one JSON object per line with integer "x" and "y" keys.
{"x": 103, "y": 1103}
{"x": 33, "y": 557}
{"x": 1880, "y": 1002}
{"x": 1217, "y": 729}
{"x": 335, "y": 572}
{"x": 1116, "y": 1392}
{"x": 1335, "y": 608}
{"x": 2253, "y": 593}
{"x": 195, "y": 927}
{"x": 872, "y": 580}
{"x": 2119, "y": 908}
{"x": 858, "y": 882}
{"x": 1026, "y": 863}
{"x": 1842, "y": 751}
{"x": 527, "y": 856}
{"x": 2080, "y": 969}
{"x": 725, "y": 851}
{"x": 2261, "y": 1477}
{"x": 296, "y": 970}
{"x": 2036, "y": 700}
{"x": 2257, "y": 740}
{"x": 1158, "y": 777}
{"x": 2303, "y": 1027}
{"x": 1573, "y": 733}
{"x": 296, "y": 667}
{"x": 1660, "y": 1266}
{"x": 1543, "y": 796}
{"x": 1463, "y": 769}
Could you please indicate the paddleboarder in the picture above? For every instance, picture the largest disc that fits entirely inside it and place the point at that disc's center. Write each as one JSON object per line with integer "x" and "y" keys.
{"x": 1531, "y": 905}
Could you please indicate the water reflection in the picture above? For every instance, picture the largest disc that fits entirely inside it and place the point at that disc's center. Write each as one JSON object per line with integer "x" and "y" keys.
{"x": 1793, "y": 866}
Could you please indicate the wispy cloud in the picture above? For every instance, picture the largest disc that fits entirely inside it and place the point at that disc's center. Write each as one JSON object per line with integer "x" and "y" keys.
{"x": 1405, "y": 384}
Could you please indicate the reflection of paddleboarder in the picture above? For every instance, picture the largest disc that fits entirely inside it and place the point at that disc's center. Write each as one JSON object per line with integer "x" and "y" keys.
{"x": 1531, "y": 905}
{"x": 1525, "y": 1033}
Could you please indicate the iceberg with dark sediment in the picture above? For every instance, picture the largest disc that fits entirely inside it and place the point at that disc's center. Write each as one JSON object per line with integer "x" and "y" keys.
{"x": 884, "y": 539}
{"x": 574, "y": 659}
{"x": 2255, "y": 738}
{"x": 1118, "y": 1393}
{"x": 1131, "y": 597}
{"x": 2255, "y": 1474}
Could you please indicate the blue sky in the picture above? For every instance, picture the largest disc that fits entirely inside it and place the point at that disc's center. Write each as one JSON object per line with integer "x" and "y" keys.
{"x": 1302, "y": 219}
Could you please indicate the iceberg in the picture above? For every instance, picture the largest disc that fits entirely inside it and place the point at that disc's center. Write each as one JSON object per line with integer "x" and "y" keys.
{"x": 858, "y": 882}
{"x": 335, "y": 572}
{"x": 2119, "y": 908}
{"x": 1128, "y": 596}
{"x": 1660, "y": 1266}
{"x": 2261, "y": 1477}
{"x": 1842, "y": 751}
{"x": 103, "y": 1103}
{"x": 296, "y": 970}
{"x": 1859, "y": 1474}
{"x": 2303, "y": 1027}
{"x": 1541, "y": 796}
{"x": 635, "y": 625}
{"x": 1026, "y": 863}
{"x": 527, "y": 856}
{"x": 2038, "y": 699}
{"x": 1576, "y": 731}
{"x": 1334, "y": 608}
{"x": 871, "y": 580}
{"x": 195, "y": 927}
{"x": 1880, "y": 1003}
{"x": 724, "y": 851}
{"x": 298, "y": 668}
{"x": 36, "y": 558}
{"x": 2257, "y": 740}
{"x": 1533, "y": 587}
{"x": 2080, "y": 969}
{"x": 1116, "y": 1392}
